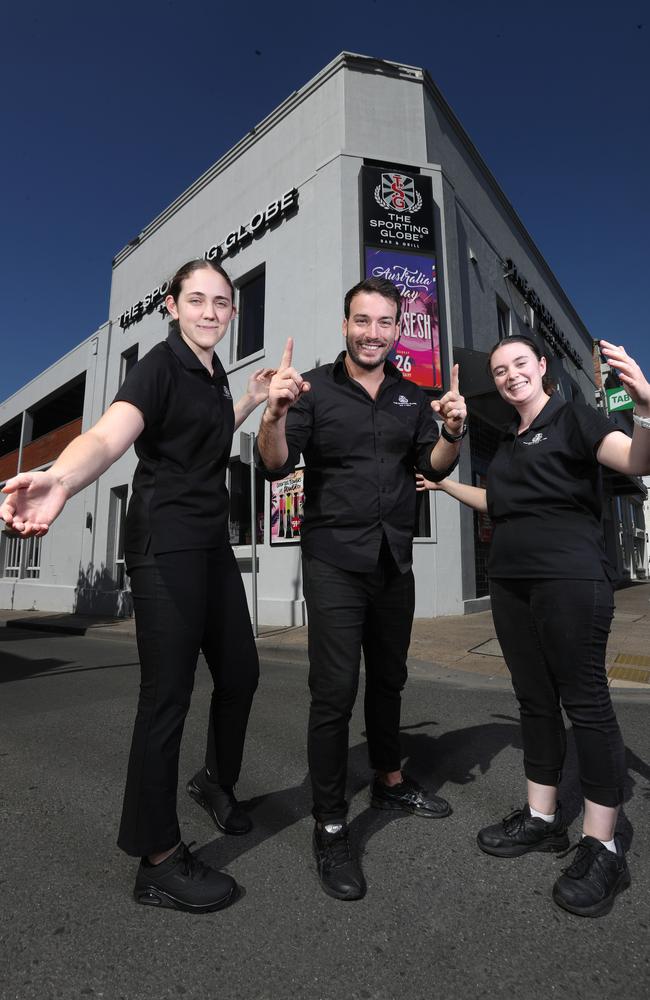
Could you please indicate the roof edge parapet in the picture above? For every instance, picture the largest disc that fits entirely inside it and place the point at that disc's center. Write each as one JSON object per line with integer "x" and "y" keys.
{"x": 343, "y": 60}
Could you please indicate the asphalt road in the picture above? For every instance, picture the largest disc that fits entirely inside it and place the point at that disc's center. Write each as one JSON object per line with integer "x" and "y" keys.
{"x": 440, "y": 919}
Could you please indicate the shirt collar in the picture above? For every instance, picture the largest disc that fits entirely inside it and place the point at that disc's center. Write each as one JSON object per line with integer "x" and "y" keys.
{"x": 188, "y": 358}
{"x": 340, "y": 372}
{"x": 544, "y": 417}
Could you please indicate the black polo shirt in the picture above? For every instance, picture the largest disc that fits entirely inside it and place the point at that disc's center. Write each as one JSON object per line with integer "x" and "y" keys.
{"x": 544, "y": 495}
{"x": 179, "y": 500}
{"x": 359, "y": 456}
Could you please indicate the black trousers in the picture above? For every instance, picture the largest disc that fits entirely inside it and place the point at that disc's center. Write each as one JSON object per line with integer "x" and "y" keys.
{"x": 553, "y": 634}
{"x": 185, "y": 602}
{"x": 347, "y": 612}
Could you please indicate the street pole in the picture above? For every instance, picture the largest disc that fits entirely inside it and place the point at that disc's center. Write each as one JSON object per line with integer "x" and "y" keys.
{"x": 253, "y": 537}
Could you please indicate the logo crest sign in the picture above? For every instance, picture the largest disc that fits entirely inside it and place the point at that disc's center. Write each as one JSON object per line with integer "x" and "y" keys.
{"x": 397, "y": 193}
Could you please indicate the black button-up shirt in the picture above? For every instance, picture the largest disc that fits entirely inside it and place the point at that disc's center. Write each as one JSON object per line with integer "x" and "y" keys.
{"x": 360, "y": 454}
{"x": 544, "y": 495}
{"x": 179, "y": 500}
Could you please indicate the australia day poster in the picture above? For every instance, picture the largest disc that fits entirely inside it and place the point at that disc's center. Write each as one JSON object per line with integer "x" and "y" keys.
{"x": 417, "y": 352}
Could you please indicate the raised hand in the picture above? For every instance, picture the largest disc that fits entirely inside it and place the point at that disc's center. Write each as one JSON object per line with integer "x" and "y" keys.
{"x": 452, "y": 407}
{"x": 259, "y": 384}
{"x": 33, "y": 501}
{"x": 630, "y": 375}
{"x": 287, "y": 385}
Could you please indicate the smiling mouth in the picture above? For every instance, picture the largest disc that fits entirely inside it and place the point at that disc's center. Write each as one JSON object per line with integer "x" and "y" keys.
{"x": 517, "y": 385}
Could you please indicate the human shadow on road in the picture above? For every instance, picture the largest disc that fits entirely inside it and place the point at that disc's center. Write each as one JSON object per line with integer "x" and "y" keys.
{"x": 433, "y": 760}
{"x": 20, "y": 668}
{"x": 457, "y": 757}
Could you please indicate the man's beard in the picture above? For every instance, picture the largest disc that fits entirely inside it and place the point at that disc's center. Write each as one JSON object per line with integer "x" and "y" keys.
{"x": 368, "y": 366}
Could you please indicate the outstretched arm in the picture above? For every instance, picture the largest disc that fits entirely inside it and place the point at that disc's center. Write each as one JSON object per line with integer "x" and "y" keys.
{"x": 473, "y": 496}
{"x": 35, "y": 499}
{"x": 617, "y": 450}
{"x": 287, "y": 386}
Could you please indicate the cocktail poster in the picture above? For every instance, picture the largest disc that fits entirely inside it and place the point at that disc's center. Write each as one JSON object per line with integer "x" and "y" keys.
{"x": 287, "y": 509}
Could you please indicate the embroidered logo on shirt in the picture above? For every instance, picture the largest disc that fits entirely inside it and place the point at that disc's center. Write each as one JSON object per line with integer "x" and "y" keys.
{"x": 536, "y": 439}
{"x": 403, "y": 401}
{"x": 226, "y": 392}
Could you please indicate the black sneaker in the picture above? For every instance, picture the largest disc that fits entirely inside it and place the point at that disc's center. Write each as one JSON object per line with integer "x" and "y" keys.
{"x": 220, "y": 804}
{"x": 182, "y": 882}
{"x": 520, "y": 833}
{"x": 338, "y": 870}
{"x": 590, "y": 885}
{"x": 408, "y": 797}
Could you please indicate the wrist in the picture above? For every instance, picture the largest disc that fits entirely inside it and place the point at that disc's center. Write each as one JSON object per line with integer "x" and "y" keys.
{"x": 453, "y": 437}
{"x": 271, "y": 417}
{"x": 641, "y": 419}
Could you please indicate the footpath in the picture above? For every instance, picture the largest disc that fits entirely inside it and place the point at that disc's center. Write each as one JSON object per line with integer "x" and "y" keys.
{"x": 465, "y": 643}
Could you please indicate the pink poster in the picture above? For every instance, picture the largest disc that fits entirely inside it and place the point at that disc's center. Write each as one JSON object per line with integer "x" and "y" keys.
{"x": 417, "y": 352}
{"x": 287, "y": 508}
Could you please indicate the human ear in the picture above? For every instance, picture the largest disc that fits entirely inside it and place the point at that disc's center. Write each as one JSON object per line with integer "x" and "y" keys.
{"x": 170, "y": 306}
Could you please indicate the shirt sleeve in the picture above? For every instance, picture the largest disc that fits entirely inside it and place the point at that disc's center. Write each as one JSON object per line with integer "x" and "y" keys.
{"x": 300, "y": 420}
{"x": 592, "y": 426}
{"x": 147, "y": 387}
{"x": 427, "y": 436}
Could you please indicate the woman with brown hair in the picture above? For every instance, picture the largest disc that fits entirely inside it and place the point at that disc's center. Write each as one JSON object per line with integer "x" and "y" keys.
{"x": 175, "y": 406}
{"x": 552, "y": 604}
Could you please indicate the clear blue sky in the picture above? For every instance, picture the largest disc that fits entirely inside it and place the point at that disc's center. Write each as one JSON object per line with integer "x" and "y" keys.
{"x": 110, "y": 110}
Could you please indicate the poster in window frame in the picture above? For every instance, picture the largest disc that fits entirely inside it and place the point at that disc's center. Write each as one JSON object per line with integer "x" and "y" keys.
{"x": 287, "y": 508}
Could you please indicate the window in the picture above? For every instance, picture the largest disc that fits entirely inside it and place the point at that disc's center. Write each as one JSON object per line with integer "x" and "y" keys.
{"x": 503, "y": 320}
{"x": 239, "y": 475}
{"x": 32, "y": 558}
{"x": 11, "y": 556}
{"x": 127, "y": 361}
{"x": 250, "y": 327}
{"x": 116, "y": 530}
{"x": 21, "y": 557}
{"x": 423, "y": 515}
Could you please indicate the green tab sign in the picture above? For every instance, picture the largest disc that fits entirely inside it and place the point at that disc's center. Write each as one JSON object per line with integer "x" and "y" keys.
{"x": 619, "y": 399}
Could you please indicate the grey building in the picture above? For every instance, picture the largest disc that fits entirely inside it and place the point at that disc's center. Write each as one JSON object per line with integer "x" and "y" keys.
{"x": 366, "y": 167}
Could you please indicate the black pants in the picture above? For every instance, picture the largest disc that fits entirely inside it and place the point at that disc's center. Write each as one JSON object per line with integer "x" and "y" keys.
{"x": 553, "y": 634}
{"x": 347, "y": 612}
{"x": 185, "y": 602}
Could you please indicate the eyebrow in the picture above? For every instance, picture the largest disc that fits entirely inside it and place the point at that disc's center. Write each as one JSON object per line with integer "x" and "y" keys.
{"x": 520, "y": 357}
{"x": 202, "y": 295}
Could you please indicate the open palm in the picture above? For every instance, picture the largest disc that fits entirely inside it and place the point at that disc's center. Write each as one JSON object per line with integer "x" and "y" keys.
{"x": 33, "y": 501}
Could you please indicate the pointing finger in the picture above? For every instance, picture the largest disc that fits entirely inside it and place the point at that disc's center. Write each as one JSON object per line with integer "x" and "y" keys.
{"x": 287, "y": 354}
{"x": 454, "y": 378}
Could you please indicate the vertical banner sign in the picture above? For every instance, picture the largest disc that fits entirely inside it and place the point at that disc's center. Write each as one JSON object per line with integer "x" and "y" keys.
{"x": 398, "y": 236}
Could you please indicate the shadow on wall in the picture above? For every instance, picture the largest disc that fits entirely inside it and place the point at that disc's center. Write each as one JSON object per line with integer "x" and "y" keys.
{"x": 99, "y": 593}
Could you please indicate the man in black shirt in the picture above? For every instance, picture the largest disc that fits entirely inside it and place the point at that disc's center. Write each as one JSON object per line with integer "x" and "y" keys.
{"x": 362, "y": 430}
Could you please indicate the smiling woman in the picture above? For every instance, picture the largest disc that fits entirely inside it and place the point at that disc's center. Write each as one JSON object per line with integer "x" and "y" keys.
{"x": 175, "y": 406}
{"x": 552, "y": 605}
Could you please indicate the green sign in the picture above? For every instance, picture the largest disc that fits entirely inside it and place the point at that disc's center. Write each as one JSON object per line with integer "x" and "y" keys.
{"x": 619, "y": 399}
